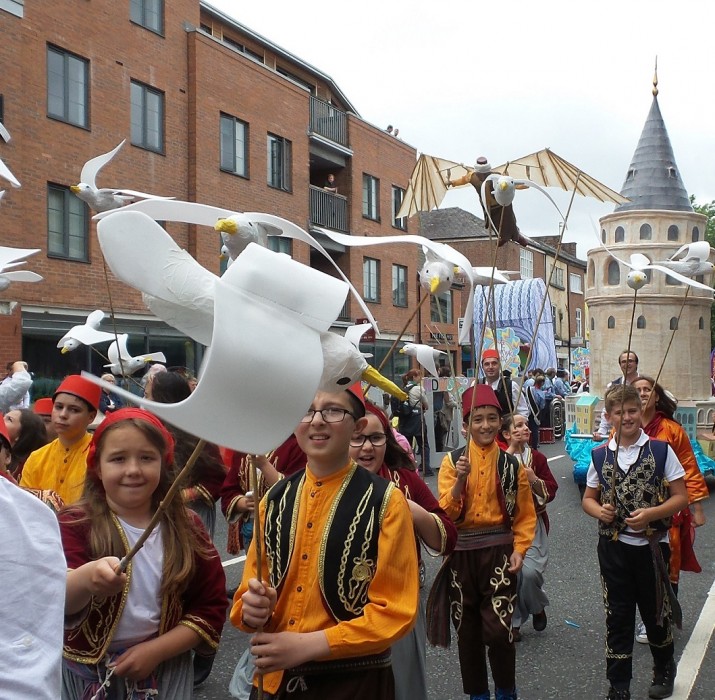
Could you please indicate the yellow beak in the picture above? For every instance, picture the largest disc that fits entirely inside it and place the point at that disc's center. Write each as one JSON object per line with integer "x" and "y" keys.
{"x": 434, "y": 283}
{"x": 374, "y": 378}
{"x": 64, "y": 350}
{"x": 75, "y": 189}
{"x": 226, "y": 226}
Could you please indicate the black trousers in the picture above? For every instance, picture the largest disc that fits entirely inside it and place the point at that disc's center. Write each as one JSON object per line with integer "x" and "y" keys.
{"x": 628, "y": 578}
{"x": 482, "y": 596}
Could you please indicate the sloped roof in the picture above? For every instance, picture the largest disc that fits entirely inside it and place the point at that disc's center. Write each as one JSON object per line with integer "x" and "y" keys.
{"x": 653, "y": 179}
{"x": 451, "y": 223}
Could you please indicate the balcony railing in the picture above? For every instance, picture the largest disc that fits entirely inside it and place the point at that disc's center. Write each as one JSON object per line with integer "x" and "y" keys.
{"x": 328, "y": 209}
{"x": 329, "y": 122}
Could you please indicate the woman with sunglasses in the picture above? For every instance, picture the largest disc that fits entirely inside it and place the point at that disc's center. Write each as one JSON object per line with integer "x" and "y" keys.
{"x": 376, "y": 449}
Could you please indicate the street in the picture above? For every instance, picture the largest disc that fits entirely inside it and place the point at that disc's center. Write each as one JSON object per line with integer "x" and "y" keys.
{"x": 567, "y": 659}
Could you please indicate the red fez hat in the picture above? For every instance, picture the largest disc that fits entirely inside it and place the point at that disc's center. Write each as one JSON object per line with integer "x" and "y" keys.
{"x": 356, "y": 391}
{"x": 43, "y": 407}
{"x": 491, "y": 352}
{"x": 82, "y": 388}
{"x": 485, "y": 397}
{"x": 128, "y": 414}
{"x": 4, "y": 434}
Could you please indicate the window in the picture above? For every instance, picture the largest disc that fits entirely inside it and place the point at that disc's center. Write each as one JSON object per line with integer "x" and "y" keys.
{"x": 575, "y": 282}
{"x": 672, "y": 281}
{"x": 147, "y": 117}
{"x": 67, "y": 87}
{"x": 593, "y": 323}
{"x": 399, "y": 285}
{"x": 371, "y": 279}
{"x": 441, "y": 307}
{"x": 234, "y": 145}
{"x": 67, "y": 225}
{"x": 591, "y": 273}
{"x": 370, "y": 197}
{"x": 673, "y": 233}
{"x": 526, "y": 263}
{"x": 701, "y": 323}
{"x": 614, "y": 273}
{"x": 280, "y": 162}
{"x": 557, "y": 277}
{"x": 149, "y": 14}
{"x": 646, "y": 232}
{"x": 611, "y": 322}
{"x": 553, "y": 316}
{"x": 603, "y": 235}
{"x": 579, "y": 323}
{"x": 640, "y": 323}
{"x": 398, "y": 195}
{"x": 278, "y": 244}
{"x": 620, "y": 234}
{"x": 674, "y": 323}
{"x": 696, "y": 234}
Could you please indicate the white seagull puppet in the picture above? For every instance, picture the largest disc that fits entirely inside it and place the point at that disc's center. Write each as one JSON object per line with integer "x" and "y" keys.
{"x": 690, "y": 260}
{"x": 11, "y": 258}
{"x": 182, "y": 293}
{"x": 238, "y": 229}
{"x": 264, "y": 300}
{"x": 439, "y": 256}
{"x": 122, "y": 363}
{"x": 105, "y": 198}
{"x": 424, "y": 354}
{"x": 87, "y": 333}
{"x": 639, "y": 263}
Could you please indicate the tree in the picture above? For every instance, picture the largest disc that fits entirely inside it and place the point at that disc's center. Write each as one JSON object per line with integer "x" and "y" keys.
{"x": 709, "y": 211}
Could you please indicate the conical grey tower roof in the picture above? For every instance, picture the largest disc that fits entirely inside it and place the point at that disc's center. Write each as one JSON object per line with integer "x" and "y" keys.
{"x": 653, "y": 180}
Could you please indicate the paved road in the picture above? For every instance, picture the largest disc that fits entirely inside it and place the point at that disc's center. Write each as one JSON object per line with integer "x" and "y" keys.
{"x": 566, "y": 660}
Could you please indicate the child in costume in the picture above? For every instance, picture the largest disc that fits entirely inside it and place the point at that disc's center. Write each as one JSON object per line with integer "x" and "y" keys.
{"x": 376, "y": 449}
{"x": 633, "y": 549}
{"x": 487, "y": 495}
{"x": 340, "y": 568}
{"x": 531, "y": 599}
{"x": 129, "y": 636}
{"x": 60, "y": 466}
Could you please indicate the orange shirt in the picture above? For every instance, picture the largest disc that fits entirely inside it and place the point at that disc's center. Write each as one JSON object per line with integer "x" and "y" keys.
{"x": 673, "y": 433}
{"x": 479, "y": 498}
{"x": 393, "y": 592}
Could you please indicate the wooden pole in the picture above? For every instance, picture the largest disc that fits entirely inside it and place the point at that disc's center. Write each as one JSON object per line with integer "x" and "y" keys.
{"x": 258, "y": 546}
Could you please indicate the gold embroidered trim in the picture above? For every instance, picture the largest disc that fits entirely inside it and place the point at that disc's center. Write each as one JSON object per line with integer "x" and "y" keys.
{"x": 443, "y": 537}
{"x": 200, "y": 631}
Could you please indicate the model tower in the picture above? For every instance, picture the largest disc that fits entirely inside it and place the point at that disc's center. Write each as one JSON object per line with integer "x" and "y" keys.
{"x": 656, "y": 221}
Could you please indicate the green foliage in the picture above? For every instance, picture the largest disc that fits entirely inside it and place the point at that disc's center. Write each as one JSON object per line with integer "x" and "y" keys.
{"x": 708, "y": 210}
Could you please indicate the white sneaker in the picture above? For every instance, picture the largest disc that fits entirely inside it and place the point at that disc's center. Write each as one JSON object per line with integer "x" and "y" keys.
{"x": 641, "y": 636}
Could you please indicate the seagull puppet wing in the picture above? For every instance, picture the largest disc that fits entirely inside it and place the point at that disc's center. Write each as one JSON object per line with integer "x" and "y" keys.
{"x": 265, "y": 300}
{"x": 175, "y": 287}
{"x": 424, "y": 354}
{"x": 87, "y": 333}
{"x": 441, "y": 251}
{"x": 205, "y": 215}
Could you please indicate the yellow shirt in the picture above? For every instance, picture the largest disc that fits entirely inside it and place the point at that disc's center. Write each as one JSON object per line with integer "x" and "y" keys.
{"x": 58, "y": 468}
{"x": 393, "y": 592}
{"x": 479, "y": 498}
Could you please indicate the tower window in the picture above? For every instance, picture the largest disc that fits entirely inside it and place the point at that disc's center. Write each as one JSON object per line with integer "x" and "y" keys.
{"x": 673, "y": 233}
{"x": 674, "y": 323}
{"x": 646, "y": 232}
{"x": 640, "y": 323}
{"x": 620, "y": 234}
{"x": 611, "y": 322}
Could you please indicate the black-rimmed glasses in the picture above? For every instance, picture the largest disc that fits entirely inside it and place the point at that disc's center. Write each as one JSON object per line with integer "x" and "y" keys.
{"x": 329, "y": 415}
{"x": 376, "y": 440}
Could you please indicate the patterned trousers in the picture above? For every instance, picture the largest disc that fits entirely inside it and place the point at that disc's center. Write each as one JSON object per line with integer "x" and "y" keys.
{"x": 482, "y": 594}
{"x": 629, "y": 578}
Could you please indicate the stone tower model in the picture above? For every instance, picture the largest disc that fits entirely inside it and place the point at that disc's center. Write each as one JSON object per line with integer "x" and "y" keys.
{"x": 656, "y": 221}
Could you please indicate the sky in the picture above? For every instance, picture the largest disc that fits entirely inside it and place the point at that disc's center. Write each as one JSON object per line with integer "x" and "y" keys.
{"x": 463, "y": 78}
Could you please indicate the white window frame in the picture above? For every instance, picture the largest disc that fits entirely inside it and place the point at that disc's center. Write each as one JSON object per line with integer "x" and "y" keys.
{"x": 371, "y": 279}
{"x": 526, "y": 263}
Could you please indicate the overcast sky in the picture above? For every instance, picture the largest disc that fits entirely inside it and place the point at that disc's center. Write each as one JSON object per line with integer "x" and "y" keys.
{"x": 462, "y": 78}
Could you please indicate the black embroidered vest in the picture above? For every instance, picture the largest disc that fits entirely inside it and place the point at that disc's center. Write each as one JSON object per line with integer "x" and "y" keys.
{"x": 504, "y": 394}
{"x": 348, "y": 549}
{"x": 644, "y": 486}
{"x": 508, "y": 479}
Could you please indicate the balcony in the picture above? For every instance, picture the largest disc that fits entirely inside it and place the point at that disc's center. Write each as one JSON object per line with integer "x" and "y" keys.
{"x": 328, "y": 122}
{"x": 328, "y": 209}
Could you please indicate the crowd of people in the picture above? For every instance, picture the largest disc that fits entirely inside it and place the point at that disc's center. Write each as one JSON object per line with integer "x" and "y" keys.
{"x": 336, "y": 599}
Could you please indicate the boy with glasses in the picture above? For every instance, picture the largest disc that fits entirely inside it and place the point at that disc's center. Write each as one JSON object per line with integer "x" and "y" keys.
{"x": 340, "y": 571}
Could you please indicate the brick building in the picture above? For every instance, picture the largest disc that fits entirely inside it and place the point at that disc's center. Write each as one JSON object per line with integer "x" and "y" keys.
{"x": 211, "y": 112}
{"x": 466, "y": 232}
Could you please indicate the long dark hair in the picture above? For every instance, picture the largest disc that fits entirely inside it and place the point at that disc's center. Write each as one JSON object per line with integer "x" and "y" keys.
{"x": 395, "y": 455}
{"x": 32, "y": 436}
{"x": 172, "y": 387}
{"x": 664, "y": 402}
